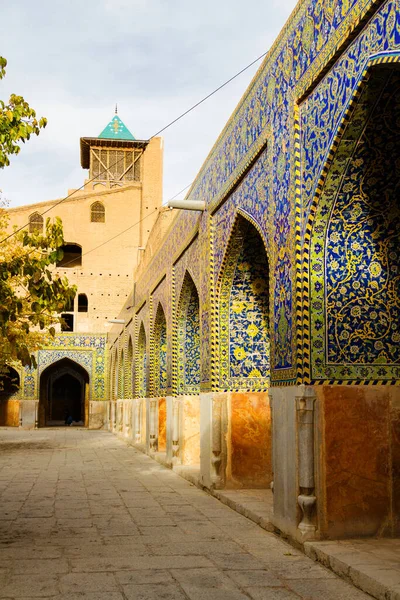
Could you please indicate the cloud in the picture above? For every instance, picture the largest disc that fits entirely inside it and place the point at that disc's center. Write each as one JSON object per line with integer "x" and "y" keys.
{"x": 154, "y": 58}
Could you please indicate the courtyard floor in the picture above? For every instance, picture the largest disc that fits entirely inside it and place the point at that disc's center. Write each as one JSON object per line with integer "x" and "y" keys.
{"x": 86, "y": 517}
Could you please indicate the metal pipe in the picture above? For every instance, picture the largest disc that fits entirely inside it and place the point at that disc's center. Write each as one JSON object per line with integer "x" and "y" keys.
{"x": 187, "y": 204}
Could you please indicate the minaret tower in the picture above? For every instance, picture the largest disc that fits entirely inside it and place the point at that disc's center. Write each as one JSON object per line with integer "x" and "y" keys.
{"x": 114, "y": 158}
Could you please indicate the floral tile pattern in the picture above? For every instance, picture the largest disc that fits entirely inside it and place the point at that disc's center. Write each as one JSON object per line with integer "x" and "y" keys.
{"x": 188, "y": 376}
{"x": 160, "y": 353}
{"x": 141, "y": 380}
{"x": 355, "y": 272}
{"x": 87, "y": 350}
{"x": 244, "y": 308}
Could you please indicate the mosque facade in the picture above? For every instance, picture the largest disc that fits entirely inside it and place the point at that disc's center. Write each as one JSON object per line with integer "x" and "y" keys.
{"x": 258, "y": 342}
{"x": 106, "y": 227}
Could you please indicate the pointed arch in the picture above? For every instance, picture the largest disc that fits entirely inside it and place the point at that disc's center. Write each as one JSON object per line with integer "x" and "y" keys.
{"x": 129, "y": 370}
{"x": 243, "y": 311}
{"x": 353, "y": 285}
{"x": 114, "y": 376}
{"x": 97, "y": 212}
{"x": 121, "y": 376}
{"x": 64, "y": 390}
{"x": 188, "y": 339}
{"x": 35, "y": 223}
{"x": 160, "y": 352}
{"x": 141, "y": 371}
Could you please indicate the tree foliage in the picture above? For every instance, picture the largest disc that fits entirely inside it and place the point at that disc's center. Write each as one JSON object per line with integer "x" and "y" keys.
{"x": 31, "y": 294}
{"x": 17, "y": 123}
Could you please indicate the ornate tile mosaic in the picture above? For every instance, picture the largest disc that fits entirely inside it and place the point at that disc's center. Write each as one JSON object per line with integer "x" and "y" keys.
{"x": 188, "y": 346}
{"x": 243, "y": 317}
{"x": 87, "y": 350}
{"x": 355, "y": 265}
{"x": 160, "y": 353}
{"x": 269, "y": 164}
{"x": 129, "y": 369}
{"x": 141, "y": 379}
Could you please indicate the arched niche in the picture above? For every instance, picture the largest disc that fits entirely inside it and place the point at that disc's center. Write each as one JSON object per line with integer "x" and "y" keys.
{"x": 188, "y": 339}
{"x": 354, "y": 273}
{"x": 243, "y": 312}
{"x": 141, "y": 371}
{"x": 160, "y": 352}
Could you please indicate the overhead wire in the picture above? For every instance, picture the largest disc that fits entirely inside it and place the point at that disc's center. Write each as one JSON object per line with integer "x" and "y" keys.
{"x": 125, "y": 230}
{"x": 151, "y": 137}
{"x": 209, "y": 95}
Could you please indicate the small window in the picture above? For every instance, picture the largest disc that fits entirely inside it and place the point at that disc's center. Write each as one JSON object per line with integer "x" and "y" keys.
{"x": 97, "y": 213}
{"x": 68, "y": 322}
{"x": 36, "y": 223}
{"x": 72, "y": 256}
{"x": 82, "y": 303}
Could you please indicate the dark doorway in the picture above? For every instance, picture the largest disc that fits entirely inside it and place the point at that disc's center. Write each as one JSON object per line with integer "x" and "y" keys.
{"x": 66, "y": 396}
{"x": 64, "y": 388}
{"x": 72, "y": 256}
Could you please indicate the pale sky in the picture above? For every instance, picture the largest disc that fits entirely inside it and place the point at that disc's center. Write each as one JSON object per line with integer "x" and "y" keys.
{"x": 73, "y": 60}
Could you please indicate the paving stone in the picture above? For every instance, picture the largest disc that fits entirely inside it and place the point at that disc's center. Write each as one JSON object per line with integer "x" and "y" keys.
{"x": 255, "y": 577}
{"x": 203, "y": 578}
{"x": 89, "y": 596}
{"x": 141, "y": 577}
{"x": 200, "y": 593}
{"x": 38, "y": 566}
{"x": 263, "y": 593}
{"x": 30, "y": 585}
{"x": 90, "y": 518}
{"x": 88, "y": 582}
{"x": 202, "y": 548}
{"x": 328, "y": 589}
{"x": 154, "y": 591}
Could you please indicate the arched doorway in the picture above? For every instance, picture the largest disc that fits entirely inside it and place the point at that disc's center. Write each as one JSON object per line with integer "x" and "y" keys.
{"x": 244, "y": 356}
{"x": 64, "y": 388}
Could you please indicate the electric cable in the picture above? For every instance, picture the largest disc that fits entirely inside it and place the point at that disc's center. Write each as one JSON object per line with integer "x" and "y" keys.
{"x": 151, "y": 137}
{"x": 124, "y": 231}
{"x": 209, "y": 95}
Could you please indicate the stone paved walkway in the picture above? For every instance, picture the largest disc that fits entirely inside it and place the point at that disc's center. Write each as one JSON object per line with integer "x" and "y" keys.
{"x": 372, "y": 564}
{"x": 86, "y": 517}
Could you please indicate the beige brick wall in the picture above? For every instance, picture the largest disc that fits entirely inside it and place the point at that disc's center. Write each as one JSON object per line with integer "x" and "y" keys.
{"x": 106, "y": 274}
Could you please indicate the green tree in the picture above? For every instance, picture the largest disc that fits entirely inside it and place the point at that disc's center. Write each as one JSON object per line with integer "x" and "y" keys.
{"x": 17, "y": 123}
{"x": 32, "y": 295}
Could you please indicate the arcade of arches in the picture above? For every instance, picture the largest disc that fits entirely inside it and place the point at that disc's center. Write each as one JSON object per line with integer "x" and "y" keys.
{"x": 207, "y": 393}
{"x": 258, "y": 342}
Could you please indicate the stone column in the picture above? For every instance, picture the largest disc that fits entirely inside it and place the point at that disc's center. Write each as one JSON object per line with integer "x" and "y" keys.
{"x": 218, "y": 450}
{"x": 305, "y": 439}
{"x": 121, "y": 417}
{"x": 153, "y": 420}
{"x": 138, "y": 421}
{"x": 271, "y": 404}
{"x": 175, "y": 430}
{"x": 169, "y": 401}
{"x": 115, "y": 417}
